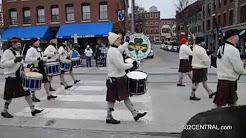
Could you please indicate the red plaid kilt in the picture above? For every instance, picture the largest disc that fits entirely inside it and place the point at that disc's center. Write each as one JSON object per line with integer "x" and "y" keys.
{"x": 199, "y": 75}
{"x": 184, "y": 66}
{"x": 14, "y": 89}
{"x": 226, "y": 93}
{"x": 118, "y": 90}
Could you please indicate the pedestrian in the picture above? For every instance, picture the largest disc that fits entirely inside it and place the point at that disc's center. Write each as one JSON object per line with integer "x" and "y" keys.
{"x": 52, "y": 52}
{"x": 36, "y": 59}
{"x": 229, "y": 69}
{"x": 11, "y": 62}
{"x": 200, "y": 63}
{"x": 117, "y": 81}
{"x": 66, "y": 53}
{"x": 184, "y": 64}
{"x": 97, "y": 55}
{"x": 88, "y": 54}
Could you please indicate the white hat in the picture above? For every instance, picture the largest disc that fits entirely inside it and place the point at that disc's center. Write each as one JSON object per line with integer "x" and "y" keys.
{"x": 112, "y": 37}
{"x": 88, "y": 46}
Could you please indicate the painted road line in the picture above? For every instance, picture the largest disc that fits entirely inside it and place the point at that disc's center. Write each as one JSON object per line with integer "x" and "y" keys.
{"x": 83, "y": 114}
{"x": 91, "y": 88}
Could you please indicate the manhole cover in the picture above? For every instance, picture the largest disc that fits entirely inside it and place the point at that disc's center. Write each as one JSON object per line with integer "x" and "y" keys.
{"x": 50, "y": 122}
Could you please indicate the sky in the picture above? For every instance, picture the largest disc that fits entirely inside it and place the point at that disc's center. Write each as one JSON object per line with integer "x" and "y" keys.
{"x": 166, "y": 7}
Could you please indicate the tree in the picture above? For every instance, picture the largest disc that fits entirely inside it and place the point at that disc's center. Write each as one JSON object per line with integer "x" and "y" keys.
{"x": 182, "y": 4}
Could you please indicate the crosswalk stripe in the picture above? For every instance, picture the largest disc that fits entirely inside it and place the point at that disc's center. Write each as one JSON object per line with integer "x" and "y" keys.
{"x": 90, "y": 88}
{"x": 83, "y": 114}
{"x": 99, "y": 98}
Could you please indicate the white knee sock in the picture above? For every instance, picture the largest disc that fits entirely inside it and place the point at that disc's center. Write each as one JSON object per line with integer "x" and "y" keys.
{"x": 46, "y": 87}
{"x": 110, "y": 109}
{"x": 29, "y": 101}
{"x": 130, "y": 107}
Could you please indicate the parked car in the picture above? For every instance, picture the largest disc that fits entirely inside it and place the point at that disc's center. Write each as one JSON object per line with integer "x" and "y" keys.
{"x": 151, "y": 54}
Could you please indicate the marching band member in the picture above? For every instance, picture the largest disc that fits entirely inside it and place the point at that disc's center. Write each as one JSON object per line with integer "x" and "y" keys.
{"x": 185, "y": 64}
{"x": 52, "y": 52}
{"x": 229, "y": 68}
{"x": 65, "y": 53}
{"x": 200, "y": 63}
{"x": 35, "y": 56}
{"x": 117, "y": 81}
{"x": 11, "y": 62}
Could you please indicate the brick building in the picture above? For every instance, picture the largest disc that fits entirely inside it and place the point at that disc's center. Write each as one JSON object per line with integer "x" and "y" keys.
{"x": 57, "y": 14}
{"x": 228, "y": 13}
{"x": 1, "y": 17}
{"x": 168, "y": 30}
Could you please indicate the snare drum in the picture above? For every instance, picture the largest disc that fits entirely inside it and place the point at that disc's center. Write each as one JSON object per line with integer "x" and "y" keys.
{"x": 137, "y": 82}
{"x": 76, "y": 62}
{"x": 32, "y": 81}
{"x": 66, "y": 65}
{"x": 53, "y": 68}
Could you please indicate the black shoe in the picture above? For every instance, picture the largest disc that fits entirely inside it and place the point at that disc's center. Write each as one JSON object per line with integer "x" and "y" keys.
{"x": 61, "y": 83}
{"x": 6, "y": 115}
{"x": 69, "y": 86}
{"x": 51, "y": 97}
{"x": 51, "y": 89}
{"x": 35, "y": 99}
{"x": 182, "y": 85}
{"x": 139, "y": 115}
{"x": 194, "y": 98}
{"x": 112, "y": 121}
{"x": 36, "y": 111}
{"x": 76, "y": 81}
{"x": 211, "y": 95}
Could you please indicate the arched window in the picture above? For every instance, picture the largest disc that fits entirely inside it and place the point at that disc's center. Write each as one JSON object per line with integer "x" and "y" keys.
{"x": 103, "y": 10}
{"x": 26, "y": 15}
{"x": 86, "y": 11}
{"x": 40, "y": 14}
{"x": 13, "y": 17}
{"x": 69, "y": 12}
{"x": 54, "y": 13}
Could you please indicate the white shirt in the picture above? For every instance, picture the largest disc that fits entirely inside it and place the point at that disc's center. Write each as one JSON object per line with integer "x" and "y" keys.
{"x": 230, "y": 66}
{"x": 88, "y": 52}
{"x": 32, "y": 56}
{"x": 7, "y": 62}
{"x": 115, "y": 61}
{"x": 184, "y": 52}
{"x": 51, "y": 51}
{"x": 200, "y": 58}
{"x": 64, "y": 53}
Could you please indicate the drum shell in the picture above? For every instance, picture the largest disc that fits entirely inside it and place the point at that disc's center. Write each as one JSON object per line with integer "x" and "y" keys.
{"x": 66, "y": 65}
{"x": 76, "y": 62}
{"x": 137, "y": 86}
{"x": 32, "y": 83}
{"x": 53, "y": 68}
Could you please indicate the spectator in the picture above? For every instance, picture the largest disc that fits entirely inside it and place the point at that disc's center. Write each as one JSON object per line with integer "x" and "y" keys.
{"x": 88, "y": 54}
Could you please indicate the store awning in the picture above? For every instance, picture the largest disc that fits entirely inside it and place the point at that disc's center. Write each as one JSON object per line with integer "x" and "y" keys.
{"x": 85, "y": 30}
{"x": 27, "y": 33}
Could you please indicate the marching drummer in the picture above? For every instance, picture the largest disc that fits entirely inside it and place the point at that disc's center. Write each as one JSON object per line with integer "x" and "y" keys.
{"x": 185, "y": 64}
{"x": 52, "y": 53}
{"x": 66, "y": 53}
{"x": 200, "y": 63}
{"x": 35, "y": 56}
{"x": 117, "y": 82}
{"x": 11, "y": 62}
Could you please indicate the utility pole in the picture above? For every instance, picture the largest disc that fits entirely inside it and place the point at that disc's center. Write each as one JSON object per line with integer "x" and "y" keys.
{"x": 133, "y": 17}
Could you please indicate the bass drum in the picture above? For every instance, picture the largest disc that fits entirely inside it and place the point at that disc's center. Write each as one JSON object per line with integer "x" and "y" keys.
{"x": 137, "y": 82}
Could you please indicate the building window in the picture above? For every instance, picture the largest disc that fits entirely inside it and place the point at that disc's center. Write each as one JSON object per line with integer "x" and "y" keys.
{"x": 13, "y": 17}
{"x": 203, "y": 12}
{"x": 208, "y": 24}
{"x": 86, "y": 11}
{"x": 151, "y": 16}
{"x": 166, "y": 30}
{"x": 156, "y": 15}
{"x": 146, "y": 31}
{"x": 54, "y": 13}
{"x": 156, "y": 30}
{"x": 69, "y": 12}
{"x": 146, "y": 16}
{"x": 243, "y": 14}
{"x": 11, "y": 0}
{"x": 151, "y": 31}
{"x": 151, "y": 23}
{"x": 225, "y": 2}
{"x": 26, "y": 16}
{"x": 146, "y": 24}
{"x": 209, "y": 9}
{"x": 224, "y": 19}
{"x": 220, "y": 1}
{"x": 219, "y": 19}
{"x": 40, "y": 15}
{"x": 103, "y": 11}
{"x": 214, "y": 7}
{"x": 231, "y": 14}
{"x": 156, "y": 23}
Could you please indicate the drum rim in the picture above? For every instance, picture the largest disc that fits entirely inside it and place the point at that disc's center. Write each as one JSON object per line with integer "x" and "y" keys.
{"x": 137, "y": 71}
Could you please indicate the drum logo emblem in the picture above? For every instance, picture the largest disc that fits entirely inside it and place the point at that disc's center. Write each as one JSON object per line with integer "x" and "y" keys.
{"x": 139, "y": 47}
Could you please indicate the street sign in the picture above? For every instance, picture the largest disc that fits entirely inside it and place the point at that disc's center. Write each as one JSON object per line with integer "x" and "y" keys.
{"x": 121, "y": 15}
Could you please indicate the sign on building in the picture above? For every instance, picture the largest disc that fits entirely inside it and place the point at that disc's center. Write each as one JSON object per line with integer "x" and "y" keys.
{"x": 121, "y": 15}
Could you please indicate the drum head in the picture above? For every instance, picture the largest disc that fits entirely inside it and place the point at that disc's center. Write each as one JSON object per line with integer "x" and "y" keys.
{"x": 129, "y": 60}
{"x": 137, "y": 75}
{"x": 65, "y": 61}
{"x": 75, "y": 58}
{"x": 33, "y": 75}
{"x": 52, "y": 63}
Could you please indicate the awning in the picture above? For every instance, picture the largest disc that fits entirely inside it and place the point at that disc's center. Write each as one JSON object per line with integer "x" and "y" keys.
{"x": 27, "y": 33}
{"x": 85, "y": 30}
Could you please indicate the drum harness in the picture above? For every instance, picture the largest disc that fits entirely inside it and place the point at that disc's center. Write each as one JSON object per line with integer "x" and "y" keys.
{"x": 20, "y": 71}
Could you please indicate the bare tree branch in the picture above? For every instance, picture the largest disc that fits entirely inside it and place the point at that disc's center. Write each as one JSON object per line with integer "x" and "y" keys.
{"x": 182, "y": 4}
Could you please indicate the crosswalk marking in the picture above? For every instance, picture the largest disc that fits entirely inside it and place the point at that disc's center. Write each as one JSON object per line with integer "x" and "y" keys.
{"x": 90, "y": 88}
{"x": 99, "y": 98}
{"x": 83, "y": 114}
